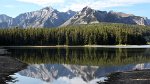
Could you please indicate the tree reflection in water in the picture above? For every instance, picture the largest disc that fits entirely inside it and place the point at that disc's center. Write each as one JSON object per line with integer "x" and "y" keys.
{"x": 81, "y": 56}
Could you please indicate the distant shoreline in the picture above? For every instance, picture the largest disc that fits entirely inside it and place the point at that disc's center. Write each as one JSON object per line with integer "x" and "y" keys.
{"x": 84, "y": 46}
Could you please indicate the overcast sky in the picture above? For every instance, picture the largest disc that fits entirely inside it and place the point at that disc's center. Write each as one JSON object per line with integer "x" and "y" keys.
{"x": 136, "y": 7}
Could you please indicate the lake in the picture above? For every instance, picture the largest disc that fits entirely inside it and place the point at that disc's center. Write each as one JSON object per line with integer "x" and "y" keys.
{"x": 69, "y": 65}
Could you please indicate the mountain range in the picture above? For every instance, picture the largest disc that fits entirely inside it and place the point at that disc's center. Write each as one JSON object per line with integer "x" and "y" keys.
{"x": 46, "y": 17}
{"x": 49, "y": 17}
{"x": 89, "y": 16}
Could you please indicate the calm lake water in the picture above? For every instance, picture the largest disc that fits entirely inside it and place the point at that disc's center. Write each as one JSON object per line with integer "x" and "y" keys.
{"x": 73, "y": 65}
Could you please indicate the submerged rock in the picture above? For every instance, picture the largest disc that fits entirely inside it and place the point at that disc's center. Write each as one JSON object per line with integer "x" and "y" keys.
{"x": 9, "y": 66}
{"x": 129, "y": 77}
{"x": 3, "y": 52}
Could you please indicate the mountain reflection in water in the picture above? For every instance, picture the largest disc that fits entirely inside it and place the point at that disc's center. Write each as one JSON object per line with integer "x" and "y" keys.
{"x": 51, "y": 72}
{"x": 82, "y": 65}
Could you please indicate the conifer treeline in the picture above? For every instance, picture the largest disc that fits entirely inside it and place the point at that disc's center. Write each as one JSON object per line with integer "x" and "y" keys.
{"x": 94, "y": 34}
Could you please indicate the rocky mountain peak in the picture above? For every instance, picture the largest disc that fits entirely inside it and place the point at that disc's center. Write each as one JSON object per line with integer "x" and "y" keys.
{"x": 120, "y": 14}
{"x": 48, "y": 9}
{"x": 49, "y": 17}
{"x": 88, "y": 16}
{"x": 46, "y": 17}
{"x": 87, "y": 10}
{"x": 71, "y": 12}
{"x": 3, "y": 15}
{"x": 4, "y": 18}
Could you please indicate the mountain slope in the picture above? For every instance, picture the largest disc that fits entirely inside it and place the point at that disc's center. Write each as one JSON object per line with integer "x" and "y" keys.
{"x": 88, "y": 16}
{"x": 49, "y": 17}
{"x": 5, "y": 21}
{"x": 85, "y": 16}
{"x": 46, "y": 17}
{"x": 4, "y": 18}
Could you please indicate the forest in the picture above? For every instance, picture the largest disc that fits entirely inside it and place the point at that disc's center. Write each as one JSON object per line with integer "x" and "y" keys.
{"x": 92, "y": 34}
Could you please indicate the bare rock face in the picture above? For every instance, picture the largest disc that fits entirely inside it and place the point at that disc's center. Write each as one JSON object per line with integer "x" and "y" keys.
{"x": 46, "y": 17}
{"x": 5, "y": 21}
{"x": 49, "y": 17}
{"x": 88, "y": 16}
{"x": 117, "y": 17}
{"x": 5, "y": 18}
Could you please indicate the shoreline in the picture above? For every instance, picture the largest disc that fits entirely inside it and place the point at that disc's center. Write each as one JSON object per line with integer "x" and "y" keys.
{"x": 84, "y": 46}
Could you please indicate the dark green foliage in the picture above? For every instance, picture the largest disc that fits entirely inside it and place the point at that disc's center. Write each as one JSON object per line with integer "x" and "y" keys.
{"x": 94, "y": 34}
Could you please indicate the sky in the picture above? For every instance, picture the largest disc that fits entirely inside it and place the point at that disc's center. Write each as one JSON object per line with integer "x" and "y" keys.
{"x": 15, "y": 7}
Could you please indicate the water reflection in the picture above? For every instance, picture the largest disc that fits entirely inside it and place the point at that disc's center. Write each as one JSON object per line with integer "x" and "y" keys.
{"x": 83, "y": 65}
{"x": 81, "y": 56}
{"x": 51, "y": 72}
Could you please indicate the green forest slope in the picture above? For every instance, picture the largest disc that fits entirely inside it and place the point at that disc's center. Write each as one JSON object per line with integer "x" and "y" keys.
{"x": 93, "y": 34}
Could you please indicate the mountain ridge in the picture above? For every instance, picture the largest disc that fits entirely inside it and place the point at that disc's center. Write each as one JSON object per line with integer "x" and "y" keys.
{"x": 48, "y": 17}
{"x": 88, "y": 16}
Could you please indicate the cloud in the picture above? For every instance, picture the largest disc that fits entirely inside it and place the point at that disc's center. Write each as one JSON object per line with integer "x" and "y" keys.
{"x": 64, "y": 5}
{"x": 42, "y": 2}
{"x": 101, "y": 4}
{"x": 9, "y": 6}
